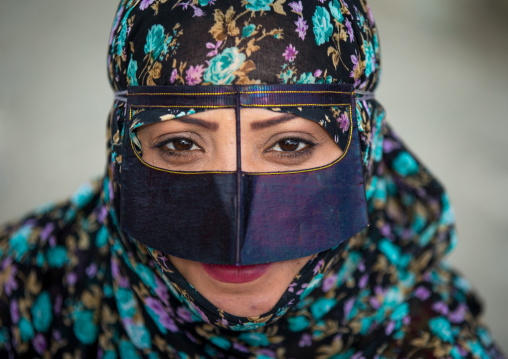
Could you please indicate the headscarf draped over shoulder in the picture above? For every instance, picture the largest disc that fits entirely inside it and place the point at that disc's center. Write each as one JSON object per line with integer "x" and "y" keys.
{"x": 73, "y": 284}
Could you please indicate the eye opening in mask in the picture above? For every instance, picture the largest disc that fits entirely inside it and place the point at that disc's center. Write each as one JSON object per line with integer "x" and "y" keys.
{"x": 273, "y": 151}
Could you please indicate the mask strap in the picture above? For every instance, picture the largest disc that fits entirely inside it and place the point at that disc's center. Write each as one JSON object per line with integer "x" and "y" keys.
{"x": 120, "y": 96}
{"x": 364, "y": 95}
{"x": 238, "y": 176}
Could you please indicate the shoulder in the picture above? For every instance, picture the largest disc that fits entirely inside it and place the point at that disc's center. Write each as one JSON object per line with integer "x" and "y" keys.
{"x": 49, "y": 261}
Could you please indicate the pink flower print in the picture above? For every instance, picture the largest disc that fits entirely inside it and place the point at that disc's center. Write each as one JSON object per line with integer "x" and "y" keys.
{"x": 354, "y": 59}
{"x": 390, "y": 327}
{"x": 318, "y": 73}
{"x": 184, "y": 5}
{"x": 422, "y": 293}
{"x": 197, "y": 12}
{"x": 440, "y": 307}
{"x": 173, "y": 76}
{"x": 350, "y": 31}
{"x": 14, "y": 309}
{"x": 184, "y": 314}
{"x": 11, "y": 284}
{"x": 305, "y": 341}
{"x": 343, "y": 121}
{"x": 301, "y": 27}
{"x": 40, "y": 344}
{"x": 194, "y": 75}
{"x": 290, "y": 53}
{"x": 459, "y": 314}
{"x": 329, "y": 282}
{"x": 296, "y": 6}
{"x": 145, "y": 3}
{"x": 215, "y": 48}
{"x": 318, "y": 266}
{"x": 362, "y": 283}
{"x": 162, "y": 314}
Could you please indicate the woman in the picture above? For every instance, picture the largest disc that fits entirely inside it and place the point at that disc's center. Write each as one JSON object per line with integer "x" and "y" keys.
{"x": 168, "y": 255}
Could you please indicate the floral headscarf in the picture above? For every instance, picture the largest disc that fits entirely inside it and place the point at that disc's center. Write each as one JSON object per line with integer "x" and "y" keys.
{"x": 72, "y": 284}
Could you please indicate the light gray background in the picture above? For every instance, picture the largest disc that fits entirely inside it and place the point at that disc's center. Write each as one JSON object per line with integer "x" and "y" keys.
{"x": 444, "y": 85}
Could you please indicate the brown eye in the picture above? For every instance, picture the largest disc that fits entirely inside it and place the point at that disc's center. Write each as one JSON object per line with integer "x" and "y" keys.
{"x": 290, "y": 145}
{"x": 181, "y": 144}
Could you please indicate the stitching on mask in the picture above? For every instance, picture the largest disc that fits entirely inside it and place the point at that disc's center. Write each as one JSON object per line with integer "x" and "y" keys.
{"x": 252, "y": 173}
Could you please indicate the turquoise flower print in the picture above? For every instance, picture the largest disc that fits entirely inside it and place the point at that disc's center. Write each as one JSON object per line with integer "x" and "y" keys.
{"x": 19, "y": 241}
{"x": 42, "y": 312}
{"x": 146, "y": 274}
{"x": 306, "y": 78}
{"x": 125, "y": 302}
{"x": 247, "y": 326}
{"x": 102, "y": 237}
{"x": 391, "y": 251}
{"x": 57, "y": 256}
{"x": 84, "y": 327}
{"x": 138, "y": 335}
{"x": 335, "y": 10}
{"x": 127, "y": 350}
{"x": 258, "y": 5}
{"x": 370, "y": 59}
{"x": 254, "y": 339}
{"x": 221, "y": 68}
{"x": 297, "y": 324}
{"x": 322, "y": 306}
{"x": 26, "y": 330}
{"x": 310, "y": 287}
{"x": 323, "y": 28}
{"x": 83, "y": 195}
{"x": 131, "y": 72}
{"x": 248, "y": 30}
{"x": 4, "y": 336}
{"x": 204, "y": 2}
{"x": 405, "y": 164}
{"x": 442, "y": 328}
{"x": 221, "y": 342}
{"x": 156, "y": 42}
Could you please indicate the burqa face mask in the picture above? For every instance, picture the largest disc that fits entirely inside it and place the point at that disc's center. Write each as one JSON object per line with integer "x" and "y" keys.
{"x": 240, "y": 217}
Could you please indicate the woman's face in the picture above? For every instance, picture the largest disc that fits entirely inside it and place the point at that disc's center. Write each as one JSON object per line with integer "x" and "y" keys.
{"x": 270, "y": 142}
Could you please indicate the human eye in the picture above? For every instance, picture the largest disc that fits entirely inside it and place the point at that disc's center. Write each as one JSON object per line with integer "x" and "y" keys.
{"x": 177, "y": 146}
{"x": 291, "y": 146}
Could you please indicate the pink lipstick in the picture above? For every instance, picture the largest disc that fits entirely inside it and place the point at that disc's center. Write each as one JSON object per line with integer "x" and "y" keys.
{"x": 235, "y": 274}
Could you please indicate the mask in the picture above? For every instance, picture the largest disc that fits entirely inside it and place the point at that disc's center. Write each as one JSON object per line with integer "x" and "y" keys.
{"x": 240, "y": 217}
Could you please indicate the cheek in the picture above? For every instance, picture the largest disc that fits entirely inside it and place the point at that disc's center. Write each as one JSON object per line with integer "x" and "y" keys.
{"x": 188, "y": 269}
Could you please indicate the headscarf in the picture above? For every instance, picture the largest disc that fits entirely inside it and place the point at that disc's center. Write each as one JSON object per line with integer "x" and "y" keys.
{"x": 72, "y": 283}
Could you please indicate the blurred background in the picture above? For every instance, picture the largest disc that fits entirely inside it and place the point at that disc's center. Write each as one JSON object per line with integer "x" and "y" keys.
{"x": 444, "y": 85}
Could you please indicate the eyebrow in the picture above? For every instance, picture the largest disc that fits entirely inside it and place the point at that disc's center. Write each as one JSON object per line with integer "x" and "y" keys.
{"x": 273, "y": 121}
{"x": 196, "y": 121}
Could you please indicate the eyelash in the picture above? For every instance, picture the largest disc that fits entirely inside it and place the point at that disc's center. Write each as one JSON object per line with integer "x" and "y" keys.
{"x": 293, "y": 154}
{"x": 310, "y": 146}
{"x": 161, "y": 147}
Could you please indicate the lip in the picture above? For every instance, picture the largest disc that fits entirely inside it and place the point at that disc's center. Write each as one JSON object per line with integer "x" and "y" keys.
{"x": 235, "y": 274}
